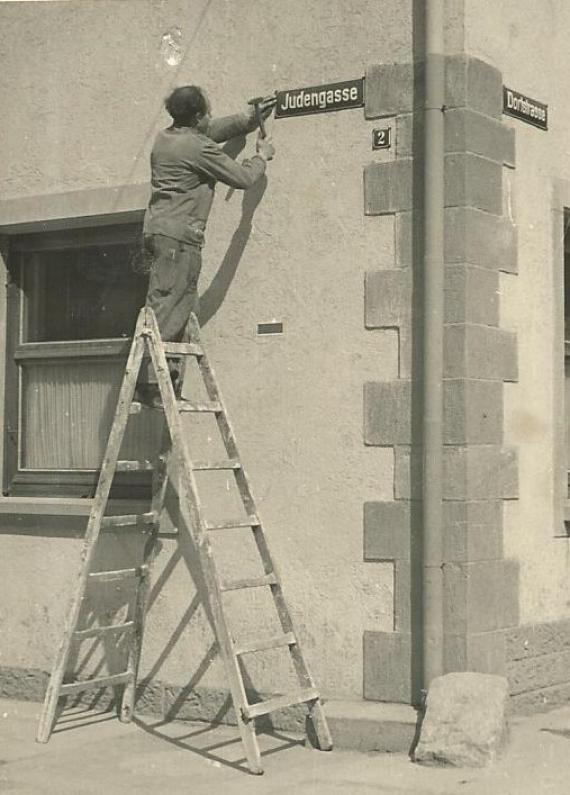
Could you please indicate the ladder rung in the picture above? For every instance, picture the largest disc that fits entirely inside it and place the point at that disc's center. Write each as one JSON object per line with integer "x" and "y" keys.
{"x": 249, "y": 582}
{"x": 101, "y": 681}
{"x": 269, "y": 643}
{"x": 225, "y": 463}
{"x": 119, "y": 574}
{"x": 183, "y": 349}
{"x": 187, "y": 405}
{"x": 108, "y": 630}
{"x": 128, "y": 520}
{"x": 280, "y": 702}
{"x": 251, "y": 521}
{"x": 134, "y": 466}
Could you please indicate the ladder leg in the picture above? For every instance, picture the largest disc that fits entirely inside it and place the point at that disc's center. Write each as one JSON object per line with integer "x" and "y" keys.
{"x": 318, "y": 733}
{"x": 159, "y": 484}
{"x": 250, "y": 744}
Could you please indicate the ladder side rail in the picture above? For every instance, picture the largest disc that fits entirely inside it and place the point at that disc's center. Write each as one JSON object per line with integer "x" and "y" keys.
{"x": 228, "y": 436}
{"x": 235, "y": 680}
{"x": 106, "y": 475}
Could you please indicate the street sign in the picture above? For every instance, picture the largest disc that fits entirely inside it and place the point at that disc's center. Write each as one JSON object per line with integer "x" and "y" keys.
{"x": 381, "y": 138}
{"x": 524, "y": 108}
{"x": 320, "y": 99}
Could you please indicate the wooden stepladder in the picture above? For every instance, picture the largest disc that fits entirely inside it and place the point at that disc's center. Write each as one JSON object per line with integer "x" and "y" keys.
{"x": 147, "y": 340}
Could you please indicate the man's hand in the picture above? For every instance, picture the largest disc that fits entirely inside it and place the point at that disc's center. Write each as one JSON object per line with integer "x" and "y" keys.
{"x": 266, "y": 105}
{"x": 264, "y": 148}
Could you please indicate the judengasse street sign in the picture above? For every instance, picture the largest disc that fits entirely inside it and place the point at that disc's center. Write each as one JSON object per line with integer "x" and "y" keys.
{"x": 320, "y": 99}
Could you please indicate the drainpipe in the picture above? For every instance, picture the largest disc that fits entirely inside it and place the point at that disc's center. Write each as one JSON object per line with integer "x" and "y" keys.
{"x": 433, "y": 272}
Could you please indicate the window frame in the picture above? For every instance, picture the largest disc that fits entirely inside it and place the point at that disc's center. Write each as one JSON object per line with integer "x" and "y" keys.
{"x": 19, "y": 481}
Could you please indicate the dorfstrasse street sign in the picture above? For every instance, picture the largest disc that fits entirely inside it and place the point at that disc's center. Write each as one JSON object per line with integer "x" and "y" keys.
{"x": 524, "y": 108}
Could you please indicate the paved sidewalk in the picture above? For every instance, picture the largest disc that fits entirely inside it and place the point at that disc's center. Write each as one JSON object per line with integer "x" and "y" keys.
{"x": 96, "y": 754}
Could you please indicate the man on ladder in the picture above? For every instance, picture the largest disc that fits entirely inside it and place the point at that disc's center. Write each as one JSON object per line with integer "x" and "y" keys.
{"x": 186, "y": 163}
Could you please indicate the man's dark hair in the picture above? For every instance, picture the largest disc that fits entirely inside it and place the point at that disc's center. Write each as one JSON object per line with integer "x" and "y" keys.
{"x": 185, "y": 103}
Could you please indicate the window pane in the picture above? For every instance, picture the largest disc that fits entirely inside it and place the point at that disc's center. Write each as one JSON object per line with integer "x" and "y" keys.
{"x": 67, "y": 412}
{"x": 81, "y": 293}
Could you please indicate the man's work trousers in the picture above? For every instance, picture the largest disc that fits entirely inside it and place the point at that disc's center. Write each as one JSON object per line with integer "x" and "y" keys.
{"x": 174, "y": 268}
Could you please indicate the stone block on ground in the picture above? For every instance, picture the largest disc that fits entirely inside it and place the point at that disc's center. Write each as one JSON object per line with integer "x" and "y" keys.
{"x": 465, "y": 724}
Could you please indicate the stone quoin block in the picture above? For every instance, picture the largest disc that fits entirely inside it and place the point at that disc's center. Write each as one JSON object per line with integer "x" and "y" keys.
{"x": 471, "y": 295}
{"x": 472, "y": 411}
{"x": 476, "y": 351}
{"x": 387, "y": 530}
{"x": 483, "y": 652}
{"x": 472, "y": 472}
{"x": 387, "y": 666}
{"x": 469, "y": 131}
{"x": 409, "y": 129}
{"x": 407, "y": 473}
{"x": 478, "y": 596}
{"x": 472, "y": 531}
{"x": 473, "y": 181}
{"x": 387, "y": 413}
{"x": 538, "y": 672}
{"x": 408, "y": 238}
{"x": 474, "y": 84}
{"x": 387, "y": 298}
{"x": 388, "y": 90}
{"x": 510, "y": 473}
{"x": 474, "y": 237}
{"x": 388, "y": 187}
{"x": 407, "y": 604}
{"x": 510, "y": 583}
{"x": 533, "y": 640}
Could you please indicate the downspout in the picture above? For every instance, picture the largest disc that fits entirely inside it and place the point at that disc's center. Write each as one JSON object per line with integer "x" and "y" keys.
{"x": 433, "y": 297}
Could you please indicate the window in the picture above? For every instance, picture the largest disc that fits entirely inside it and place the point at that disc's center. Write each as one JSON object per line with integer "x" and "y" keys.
{"x": 73, "y": 299}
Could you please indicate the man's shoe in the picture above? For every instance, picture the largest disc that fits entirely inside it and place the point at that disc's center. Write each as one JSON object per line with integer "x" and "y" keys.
{"x": 148, "y": 395}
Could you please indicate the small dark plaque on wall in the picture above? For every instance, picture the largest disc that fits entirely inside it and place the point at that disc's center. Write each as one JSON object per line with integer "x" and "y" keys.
{"x": 381, "y": 138}
{"x": 524, "y": 108}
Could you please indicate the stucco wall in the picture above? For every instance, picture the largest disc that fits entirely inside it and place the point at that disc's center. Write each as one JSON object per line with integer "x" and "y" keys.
{"x": 82, "y": 88}
{"x": 528, "y": 43}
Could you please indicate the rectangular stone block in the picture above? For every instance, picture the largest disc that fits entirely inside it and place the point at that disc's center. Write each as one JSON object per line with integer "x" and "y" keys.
{"x": 472, "y": 83}
{"x": 387, "y": 413}
{"x": 472, "y": 531}
{"x": 469, "y": 131}
{"x": 478, "y": 238}
{"x": 473, "y": 181}
{"x": 471, "y": 295}
{"x": 387, "y": 530}
{"x": 409, "y": 128}
{"x": 475, "y": 596}
{"x": 387, "y": 298}
{"x": 472, "y": 411}
{"x": 388, "y": 187}
{"x": 388, "y": 90}
{"x": 409, "y": 226}
{"x": 407, "y": 596}
{"x": 510, "y": 594}
{"x": 472, "y": 472}
{"x": 407, "y": 473}
{"x": 510, "y": 473}
{"x": 476, "y": 351}
{"x": 539, "y": 672}
{"x": 388, "y": 666}
{"x": 483, "y": 652}
{"x": 533, "y": 640}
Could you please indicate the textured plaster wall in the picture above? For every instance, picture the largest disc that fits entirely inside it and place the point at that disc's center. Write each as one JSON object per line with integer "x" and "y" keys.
{"x": 527, "y": 41}
{"x": 81, "y": 95}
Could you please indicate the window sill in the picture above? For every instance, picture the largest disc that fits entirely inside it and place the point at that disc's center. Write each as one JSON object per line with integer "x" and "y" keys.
{"x": 58, "y": 516}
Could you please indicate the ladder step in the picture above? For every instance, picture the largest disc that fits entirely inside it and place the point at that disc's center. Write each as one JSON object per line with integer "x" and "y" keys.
{"x": 128, "y": 520}
{"x": 225, "y": 463}
{"x": 251, "y": 521}
{"x": 94, "y": 632}
{"x": 183, "y": 349}
{"x": 269, "y": 643}
{"x": 101, "y": 681}
{"x": 134, "y": 466}
{"x": 119, "y": 574}
{"x": 280, "y": 702}
{"x": 187, "y": 405}
{"x": 249, "y": 582}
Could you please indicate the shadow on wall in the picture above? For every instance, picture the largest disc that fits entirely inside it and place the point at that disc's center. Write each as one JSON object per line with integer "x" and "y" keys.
{"x": 215, "y": 293}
